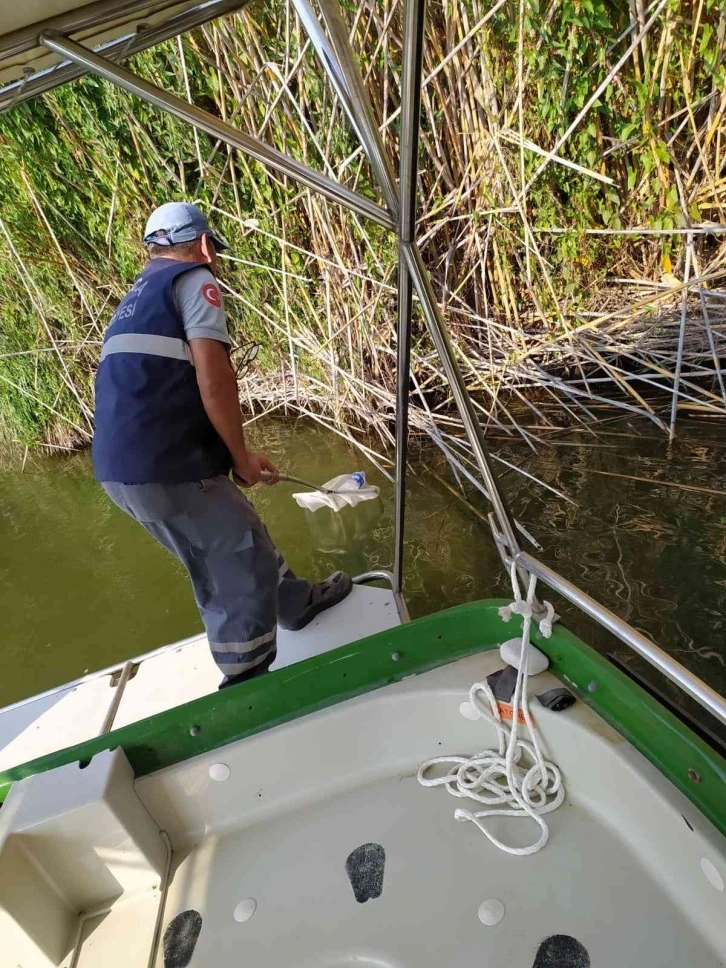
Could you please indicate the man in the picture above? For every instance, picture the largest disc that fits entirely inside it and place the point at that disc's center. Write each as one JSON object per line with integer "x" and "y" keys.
{"x": 168, "y": 435}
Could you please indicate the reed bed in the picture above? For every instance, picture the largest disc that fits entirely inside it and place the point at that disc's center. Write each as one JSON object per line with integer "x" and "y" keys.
{"x": 572, "y": 186}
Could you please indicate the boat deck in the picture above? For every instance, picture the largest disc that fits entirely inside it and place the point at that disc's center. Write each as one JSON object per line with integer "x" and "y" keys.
{"x": 586, "y": 890}
{"x": 318, "y": 848}
{"x": 171, "y": 677}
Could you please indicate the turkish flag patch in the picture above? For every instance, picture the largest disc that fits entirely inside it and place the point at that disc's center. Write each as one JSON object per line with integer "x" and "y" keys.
{"x": 211, "y": 294}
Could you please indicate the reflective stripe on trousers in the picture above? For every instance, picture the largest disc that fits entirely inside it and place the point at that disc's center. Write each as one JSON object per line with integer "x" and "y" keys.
{"x": 241, "y": 583}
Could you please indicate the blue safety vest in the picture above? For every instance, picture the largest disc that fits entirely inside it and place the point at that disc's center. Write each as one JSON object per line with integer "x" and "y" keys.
{"x": 151, "y": 425}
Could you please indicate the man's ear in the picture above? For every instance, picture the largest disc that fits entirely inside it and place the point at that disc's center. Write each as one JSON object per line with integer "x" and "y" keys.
{"x": 208, "y": 251}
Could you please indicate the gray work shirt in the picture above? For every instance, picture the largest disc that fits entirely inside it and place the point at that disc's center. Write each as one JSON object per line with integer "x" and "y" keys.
{"x": 199, "y": 302}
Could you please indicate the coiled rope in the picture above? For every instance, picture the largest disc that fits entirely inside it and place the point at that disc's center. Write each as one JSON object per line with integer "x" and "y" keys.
{"x": 515, "y": 780}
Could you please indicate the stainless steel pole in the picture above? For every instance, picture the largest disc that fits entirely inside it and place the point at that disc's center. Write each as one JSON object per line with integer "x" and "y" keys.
{"x": 117, "y": 697}
{"x": 703, "y": 694}
{"x": 263, "y": 153}
{"x": 437, "y": 329}
{"x": 373, "y": 144}
{"x": 681, "y": 339}
{"x": 329, "y": 59}
{"x": 414, "y": 18}
{"x": 403, "y": 366}
{"x": 380, "y": 574}
{"x": 358, "y": 102}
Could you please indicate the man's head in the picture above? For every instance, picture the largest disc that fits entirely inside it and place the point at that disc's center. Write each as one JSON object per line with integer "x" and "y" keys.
{"x": 179, "y": 230}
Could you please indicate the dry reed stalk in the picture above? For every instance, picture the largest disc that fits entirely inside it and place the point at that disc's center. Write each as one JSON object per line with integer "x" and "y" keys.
{"x": 527, "y": 346}
{"x": 658, "y": 483}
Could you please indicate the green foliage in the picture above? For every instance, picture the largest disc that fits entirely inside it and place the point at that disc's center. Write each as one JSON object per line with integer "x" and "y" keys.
{"x": 81, "y": 168}
{"x": 628, "y": 133}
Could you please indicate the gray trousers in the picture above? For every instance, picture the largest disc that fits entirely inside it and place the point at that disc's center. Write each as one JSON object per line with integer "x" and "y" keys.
{"x": 241, "y": 582}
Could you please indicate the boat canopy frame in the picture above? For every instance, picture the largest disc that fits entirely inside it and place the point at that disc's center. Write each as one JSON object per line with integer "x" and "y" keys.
{"x": 329, "y": 36}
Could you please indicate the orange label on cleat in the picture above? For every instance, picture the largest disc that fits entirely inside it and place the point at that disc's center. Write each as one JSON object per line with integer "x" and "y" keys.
{"x": 505, "y": 711}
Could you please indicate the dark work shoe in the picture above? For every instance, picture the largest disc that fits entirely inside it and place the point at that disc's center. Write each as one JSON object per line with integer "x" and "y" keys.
{"x": 325, "y": 594}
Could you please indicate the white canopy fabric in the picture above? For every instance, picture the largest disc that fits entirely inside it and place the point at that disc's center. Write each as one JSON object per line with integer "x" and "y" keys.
{"x": 92, "y": 24}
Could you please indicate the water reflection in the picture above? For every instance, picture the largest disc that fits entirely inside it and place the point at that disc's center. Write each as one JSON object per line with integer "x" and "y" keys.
{"x": 82, "y": 586}
{"x": 652, "y": 552}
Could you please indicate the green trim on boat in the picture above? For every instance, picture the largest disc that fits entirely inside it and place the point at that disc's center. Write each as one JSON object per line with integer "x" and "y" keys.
{"x": 278, "y": 697}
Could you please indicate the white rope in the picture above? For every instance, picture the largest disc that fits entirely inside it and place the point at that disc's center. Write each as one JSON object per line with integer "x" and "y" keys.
{"x": 515, "y": 780}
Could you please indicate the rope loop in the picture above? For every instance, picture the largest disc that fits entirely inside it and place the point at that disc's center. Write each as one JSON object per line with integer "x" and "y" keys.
{"x": 525, "y": 607}
{"x": 513, "y": 780}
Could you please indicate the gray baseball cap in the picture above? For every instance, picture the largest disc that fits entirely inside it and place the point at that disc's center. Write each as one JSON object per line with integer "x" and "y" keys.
{"x": 179, "y": 222}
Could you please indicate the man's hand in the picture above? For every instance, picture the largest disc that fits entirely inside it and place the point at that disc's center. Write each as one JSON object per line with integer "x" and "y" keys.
{"x": 253, "y": 468}
{"x": 271, "y": 475}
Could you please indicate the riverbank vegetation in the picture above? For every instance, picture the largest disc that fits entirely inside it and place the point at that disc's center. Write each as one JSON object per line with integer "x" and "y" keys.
{"x": 572, "y": 174}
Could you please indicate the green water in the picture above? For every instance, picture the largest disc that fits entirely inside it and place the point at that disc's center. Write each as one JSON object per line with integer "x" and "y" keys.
{"x": 82, "y": 586}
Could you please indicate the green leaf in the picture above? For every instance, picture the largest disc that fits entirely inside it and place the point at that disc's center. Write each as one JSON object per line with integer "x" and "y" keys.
{"x": 706, "y": 34}
{"x": 661, "y": 150}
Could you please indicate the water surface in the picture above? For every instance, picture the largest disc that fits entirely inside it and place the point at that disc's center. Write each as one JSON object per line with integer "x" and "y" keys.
{"x": 82, "y": 586}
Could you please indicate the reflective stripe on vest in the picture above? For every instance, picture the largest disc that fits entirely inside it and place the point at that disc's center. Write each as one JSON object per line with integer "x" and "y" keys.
{"x": 149, "y": 343}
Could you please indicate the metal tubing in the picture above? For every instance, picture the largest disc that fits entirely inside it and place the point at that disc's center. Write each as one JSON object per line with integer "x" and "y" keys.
{"x": 436, "y": 327}
{"x": 349, "y": 84}
{"x": 414, "y": 16}
{"x": 117, "y": 697}
{"x": 217, "y": 128}
{"x": 381, "y": 574}
{"x": 687, "y": 681}
{"x": 154, "y": 951}
{"x": 91, "y": 676}
{"x": 331, "y": 65}
{"x": 681, "y": 340}
{"x": 117, "y": 50}
{"x": 338, "y": 61}
{"x": 373, "y": 144}
{"x": 357, "y": 102}
{"x": 403, "y": 366}
{"x": 402, "y": 607}
{"x": 378, "y": 574}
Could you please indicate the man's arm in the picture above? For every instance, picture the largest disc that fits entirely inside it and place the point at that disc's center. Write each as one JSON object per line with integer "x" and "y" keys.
{"x": 218, "y": 387}
{"x": 201, "y": 308}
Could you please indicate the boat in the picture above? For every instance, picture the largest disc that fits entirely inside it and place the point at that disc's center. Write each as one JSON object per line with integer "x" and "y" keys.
{"x": 150, "y": 820}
